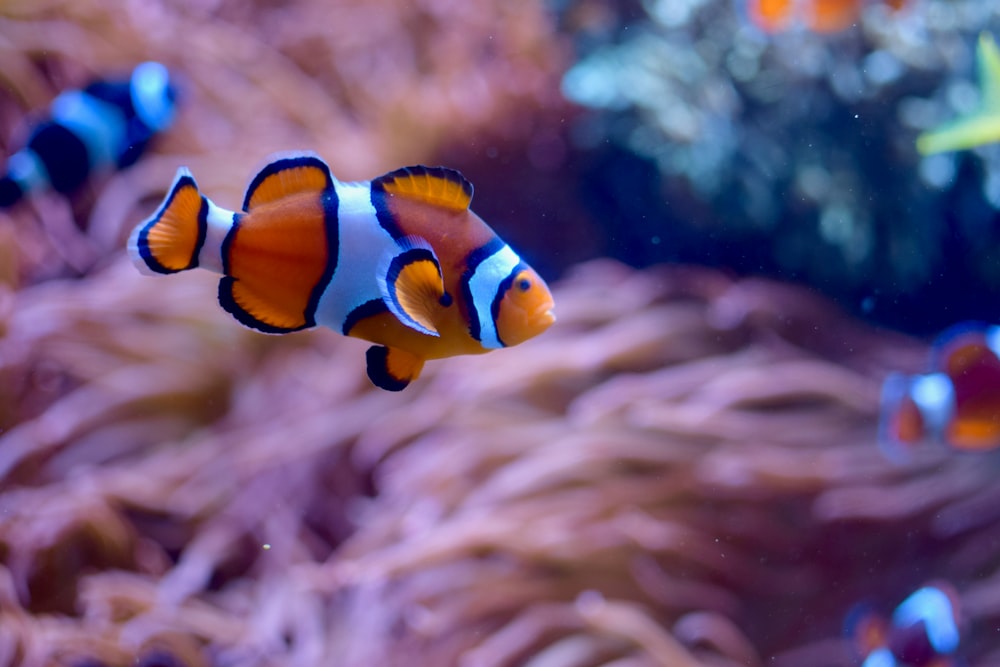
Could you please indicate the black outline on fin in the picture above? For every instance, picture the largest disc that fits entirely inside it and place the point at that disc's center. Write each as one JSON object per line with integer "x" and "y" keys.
{"x": 331, "y": 223}
{"x": 412, "y": 249}
{"x": 284, "y": 163}
{"x": 377, "y": 364}
{"x": 379, "y": 197}
{"x": 368, "y": 309}
{"x": 226, "y": 298}
{"x": 182, "y": 180}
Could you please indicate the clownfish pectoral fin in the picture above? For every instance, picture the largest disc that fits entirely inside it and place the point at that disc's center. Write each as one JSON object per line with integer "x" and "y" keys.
{"x": 438, "y": 186}
{"x": 391, "y": 368}
{"x": 411, "y": 284}
{"x": 170, "y": 240}
{"x": 288, "y": 174}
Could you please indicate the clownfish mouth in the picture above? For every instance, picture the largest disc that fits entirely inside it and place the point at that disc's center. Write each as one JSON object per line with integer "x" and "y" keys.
{"x": 544, "y": 319}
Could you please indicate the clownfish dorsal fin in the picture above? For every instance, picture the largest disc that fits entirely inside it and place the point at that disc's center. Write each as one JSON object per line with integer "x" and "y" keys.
{"x": 288, "y": 174}
{"x": 392, "y": 368}
{"x": 411, "y": 284}
{"x": 438, "y": 186}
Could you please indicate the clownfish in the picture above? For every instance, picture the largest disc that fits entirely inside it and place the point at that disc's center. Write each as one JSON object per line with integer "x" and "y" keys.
{"x": 816, "y": 15}
{"x": 957, "y": 403}
{"x": 105, "y": 126}
{"x": 400, "y": 261}
{"x": 923, "y": 630}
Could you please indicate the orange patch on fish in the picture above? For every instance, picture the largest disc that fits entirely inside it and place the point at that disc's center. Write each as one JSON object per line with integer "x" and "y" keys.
{"x": 430, "y": 185}
{"x": 276, "y": 258}
{"x": 832, "y": 15}
{"x": 908, "y": 424}
{"x": 822, "y": 16}
{"x": 771, "y": 15}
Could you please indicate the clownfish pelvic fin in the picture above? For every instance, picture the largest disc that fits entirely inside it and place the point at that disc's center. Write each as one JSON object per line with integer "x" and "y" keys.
{"x": 392, "y": 368}
{"x": 171, "y": 239}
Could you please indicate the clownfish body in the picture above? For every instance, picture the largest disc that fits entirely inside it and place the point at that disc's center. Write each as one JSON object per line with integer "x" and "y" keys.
{"x": 923, "y": 631}
{"x": 957, "y": 403}
{"x": 400, "y": 261}
{"x": 105, "y": 126}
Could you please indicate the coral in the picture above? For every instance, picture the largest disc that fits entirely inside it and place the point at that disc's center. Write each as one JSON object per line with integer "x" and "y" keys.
{"x": 679, "y": 453}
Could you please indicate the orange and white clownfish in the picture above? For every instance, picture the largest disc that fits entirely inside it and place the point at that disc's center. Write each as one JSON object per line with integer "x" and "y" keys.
{"x": 400, "y": 261}
{"x": 957, "y": 403}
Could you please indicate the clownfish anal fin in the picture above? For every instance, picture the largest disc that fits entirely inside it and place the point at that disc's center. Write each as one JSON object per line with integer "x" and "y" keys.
{"x": 411, "y": 284}
{"x": 290, "y": 174}
{"x": 392, "y": 368}
{"x": 438, "y": 186}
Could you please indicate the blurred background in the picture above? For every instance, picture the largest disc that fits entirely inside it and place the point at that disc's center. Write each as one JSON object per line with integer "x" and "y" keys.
{"x": 743, "y": 240}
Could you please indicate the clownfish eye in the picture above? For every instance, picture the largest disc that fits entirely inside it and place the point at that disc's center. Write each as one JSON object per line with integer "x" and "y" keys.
{"x": 524, "y": 284}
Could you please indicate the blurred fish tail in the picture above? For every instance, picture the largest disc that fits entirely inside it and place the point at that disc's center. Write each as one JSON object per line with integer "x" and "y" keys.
{"x": 27, "y": 171}
{"x": 171, "y": 239}
{"x": 901, "y": 423}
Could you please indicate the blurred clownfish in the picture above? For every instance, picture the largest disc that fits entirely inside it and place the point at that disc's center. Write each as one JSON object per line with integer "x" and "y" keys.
{"x": 957, "y": 403}
{"x": 105, "y": 126}
{"x": 922, "y": 632}
{"x": 816, "y": 15}
{"x": 400, "y": 261}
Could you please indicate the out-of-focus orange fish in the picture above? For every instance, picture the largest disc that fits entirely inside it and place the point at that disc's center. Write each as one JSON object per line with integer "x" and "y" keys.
{"x": 816, "y": 15}
{"x": 957, "y": 402}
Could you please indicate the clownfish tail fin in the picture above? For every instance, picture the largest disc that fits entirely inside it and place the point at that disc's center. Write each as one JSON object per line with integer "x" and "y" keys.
{"x": 170, "y": 240}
